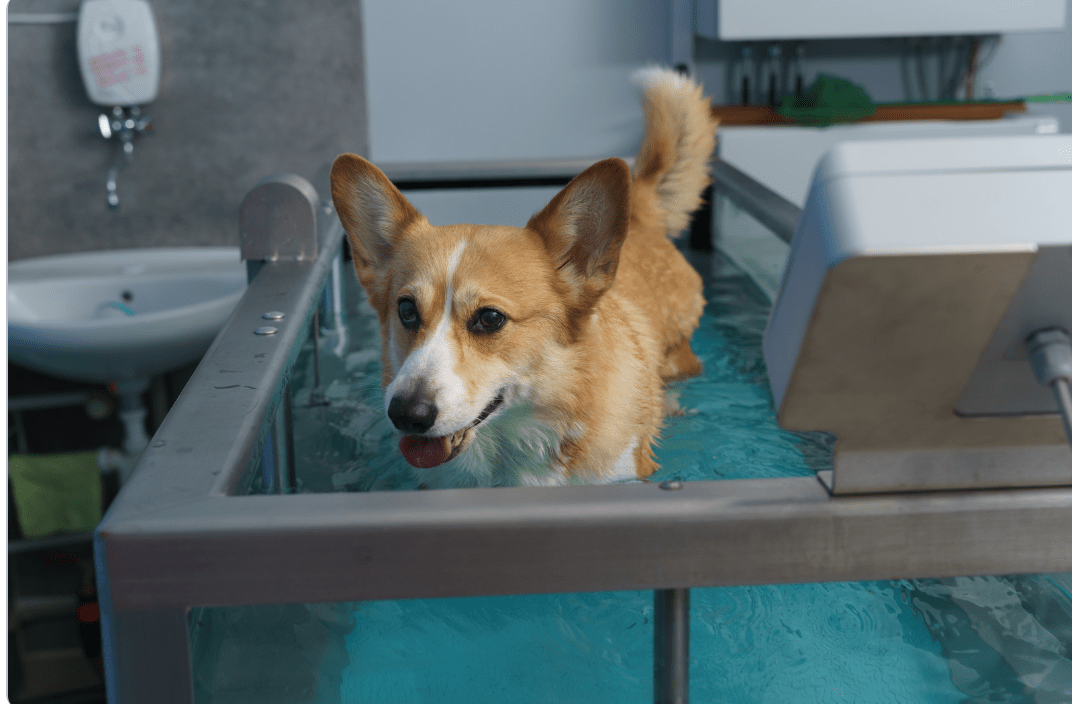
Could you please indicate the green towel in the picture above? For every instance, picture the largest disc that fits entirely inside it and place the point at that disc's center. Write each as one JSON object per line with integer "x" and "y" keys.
{"x": 828, "y": 100}
{"x": 56, "y": 493}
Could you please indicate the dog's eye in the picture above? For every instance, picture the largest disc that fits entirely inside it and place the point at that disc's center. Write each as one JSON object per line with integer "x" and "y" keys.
{"x": 407, "y": 313}
{"x": 487, "y": 320}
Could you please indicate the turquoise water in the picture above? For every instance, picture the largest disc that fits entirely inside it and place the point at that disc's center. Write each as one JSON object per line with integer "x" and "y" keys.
{"x": 972, "y": 640}
{"x": 979, "y": 639}
{"x": 798, "y": 643}
{"x": 728, "y": 429}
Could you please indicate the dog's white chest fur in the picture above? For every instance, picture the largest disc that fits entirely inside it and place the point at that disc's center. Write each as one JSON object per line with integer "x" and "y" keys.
{"x": 515, "y": 449}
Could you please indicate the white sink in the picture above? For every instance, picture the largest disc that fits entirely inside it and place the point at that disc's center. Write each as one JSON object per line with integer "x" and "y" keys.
{"x": 120, "y": 315}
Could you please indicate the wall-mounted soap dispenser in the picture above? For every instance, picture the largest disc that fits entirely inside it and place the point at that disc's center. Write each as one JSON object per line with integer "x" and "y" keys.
{"x": 119, "y": 57}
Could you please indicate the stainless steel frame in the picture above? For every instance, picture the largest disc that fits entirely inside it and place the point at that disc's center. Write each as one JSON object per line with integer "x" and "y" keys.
{"x": 178, "y": 537}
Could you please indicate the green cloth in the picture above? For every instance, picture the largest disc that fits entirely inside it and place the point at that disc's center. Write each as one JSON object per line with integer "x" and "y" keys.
{"x": 56, "y": 493}
{"x": 1052, "y": 98}
{"x": 828, "y": 100}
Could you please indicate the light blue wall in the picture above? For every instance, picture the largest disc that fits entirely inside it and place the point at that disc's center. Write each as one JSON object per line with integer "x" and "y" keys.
{"x": 488, "y": 79}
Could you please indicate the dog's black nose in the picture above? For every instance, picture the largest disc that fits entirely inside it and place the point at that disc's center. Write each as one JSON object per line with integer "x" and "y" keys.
{"x": 412, "y": 413}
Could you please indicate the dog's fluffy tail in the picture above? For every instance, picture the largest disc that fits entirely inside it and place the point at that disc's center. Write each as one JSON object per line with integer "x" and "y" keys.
{"x": 671, "y": 168}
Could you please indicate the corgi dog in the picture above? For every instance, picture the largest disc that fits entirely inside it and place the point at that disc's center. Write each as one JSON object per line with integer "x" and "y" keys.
{"x": 538, "y": 355}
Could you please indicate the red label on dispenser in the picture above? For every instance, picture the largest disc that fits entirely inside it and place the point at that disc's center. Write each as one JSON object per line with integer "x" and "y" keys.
{"x": 117, "y": 66}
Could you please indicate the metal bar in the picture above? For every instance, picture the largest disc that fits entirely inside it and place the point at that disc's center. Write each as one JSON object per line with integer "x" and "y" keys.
{"x": 700, "y": 232}
{"x": 487, "y": 174}
{"x": 681, "y": 31}
{"x": 268, "y": 482}
{"x": 283, "y": 446}
{"x": 44, "y": 401}
{"x": 70, "y": 541}
{"x": 461, "y": 542}
{"x": 316, "y": 351}
{"x": 331, "y": 301}
{"x": 757, "y": 200}
{"x": 750, "y": 195}
{"x": 671, "y": 646}
{"x": 1064, "y": 404}
{"x": 156, "y": 662}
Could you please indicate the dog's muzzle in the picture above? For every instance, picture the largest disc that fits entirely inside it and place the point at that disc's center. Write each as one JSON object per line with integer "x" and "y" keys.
{"x": 426, "y": 452}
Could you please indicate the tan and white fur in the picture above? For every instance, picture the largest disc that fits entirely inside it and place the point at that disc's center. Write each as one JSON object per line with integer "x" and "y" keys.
{"x": 538, "y": 355}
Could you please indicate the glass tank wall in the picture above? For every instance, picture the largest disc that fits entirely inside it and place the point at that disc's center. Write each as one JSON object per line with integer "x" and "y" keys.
{"x": 334, "y": 591}
{"x": 981, "y": 639}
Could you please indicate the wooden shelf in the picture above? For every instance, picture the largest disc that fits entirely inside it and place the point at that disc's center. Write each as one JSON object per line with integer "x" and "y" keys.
{"x": 890, "y": 112}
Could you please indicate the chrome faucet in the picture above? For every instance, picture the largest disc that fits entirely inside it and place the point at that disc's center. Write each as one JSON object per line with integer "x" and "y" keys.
{"x": 124, "y": 124}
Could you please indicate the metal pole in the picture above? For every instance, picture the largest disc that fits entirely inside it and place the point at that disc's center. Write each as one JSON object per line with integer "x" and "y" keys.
{"x": 316, "y": 351}
{"x": 700, "y": 235}
{"x": 268, "y": 463}
{"x": 671, "y": 646}
{"x": 282, "y": 437}
{"x": 156, "y": 665}
{"x": 331, "y": 300}
{"x": 1064, "y": 404}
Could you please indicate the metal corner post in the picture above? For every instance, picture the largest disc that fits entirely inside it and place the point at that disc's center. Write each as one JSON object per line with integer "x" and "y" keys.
{"x": 277, "y": 222}
{"x": 156, "y": 665}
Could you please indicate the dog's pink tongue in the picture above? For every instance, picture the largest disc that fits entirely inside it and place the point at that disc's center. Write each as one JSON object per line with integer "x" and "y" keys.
{"x": 424, "y": 452}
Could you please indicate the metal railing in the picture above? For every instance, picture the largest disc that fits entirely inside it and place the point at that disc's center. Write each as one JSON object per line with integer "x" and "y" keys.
{"x": 751, "y": 196}
{"x": 177, "y": 537}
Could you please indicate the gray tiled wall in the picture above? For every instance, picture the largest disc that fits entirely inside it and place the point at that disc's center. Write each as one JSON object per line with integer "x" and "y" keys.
{"x": 248, "y": 88}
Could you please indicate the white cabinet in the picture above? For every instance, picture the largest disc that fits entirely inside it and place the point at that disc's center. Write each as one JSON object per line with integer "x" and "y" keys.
{"x": 813, "y": 19}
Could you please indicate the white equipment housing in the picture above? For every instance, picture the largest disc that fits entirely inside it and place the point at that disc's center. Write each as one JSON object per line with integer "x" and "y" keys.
{"x": 916, "y": 271}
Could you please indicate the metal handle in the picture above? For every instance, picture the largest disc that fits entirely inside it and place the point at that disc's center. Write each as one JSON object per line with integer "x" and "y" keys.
{"x": 757, "y": 200}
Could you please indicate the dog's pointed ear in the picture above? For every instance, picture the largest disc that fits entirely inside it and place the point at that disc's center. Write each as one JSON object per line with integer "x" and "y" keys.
{"x": 585, "y": 225}
{"x": 373, "y": 212}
